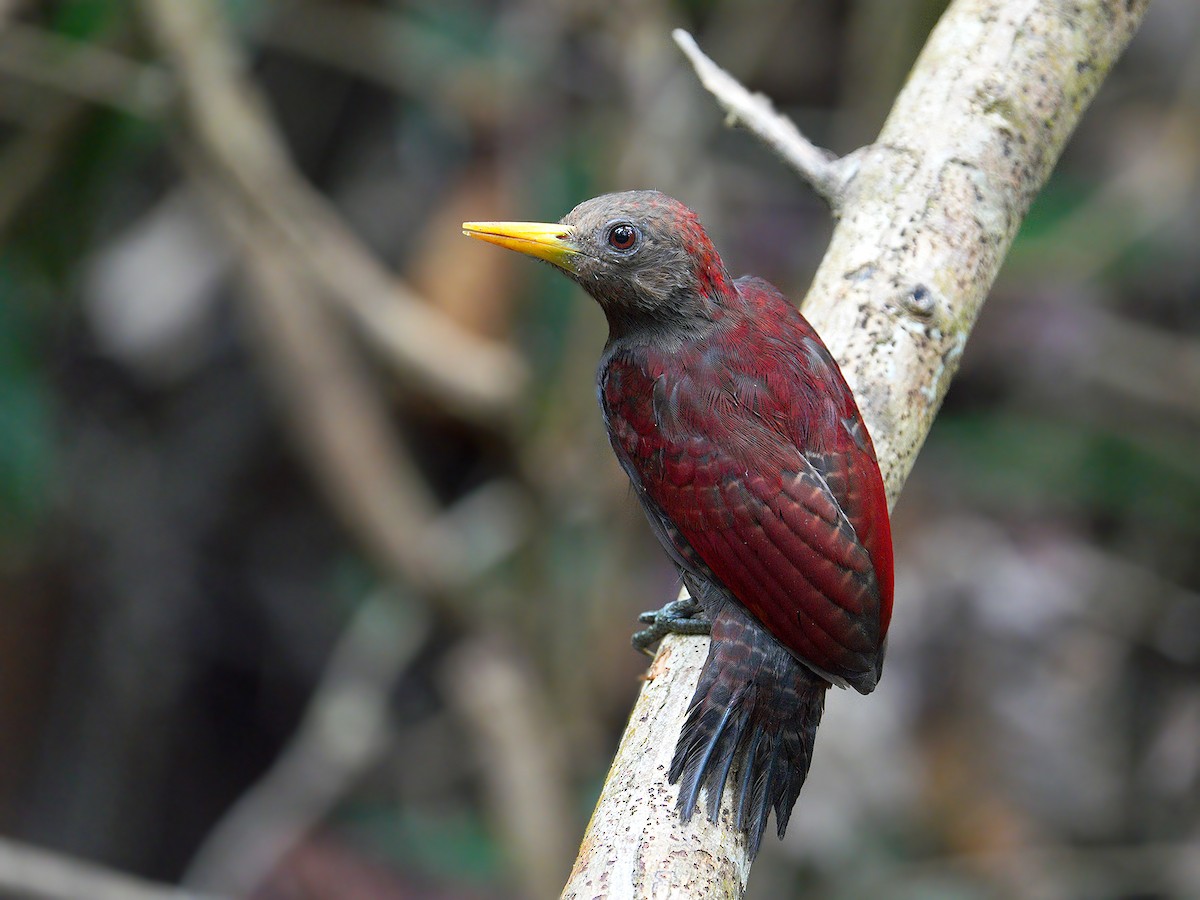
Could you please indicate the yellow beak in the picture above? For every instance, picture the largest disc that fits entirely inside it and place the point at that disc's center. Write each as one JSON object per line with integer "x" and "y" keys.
{"x": 543, "y": 240}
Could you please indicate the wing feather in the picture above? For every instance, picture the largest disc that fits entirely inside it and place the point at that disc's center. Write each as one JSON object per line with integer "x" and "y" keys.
{"x": 757, "y": 474}
{"x": 775, "y": 537}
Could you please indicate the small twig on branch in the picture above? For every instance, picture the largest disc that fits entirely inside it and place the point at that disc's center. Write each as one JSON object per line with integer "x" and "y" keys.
{"x": 30, "y": 873}
{"x": 924, "y": 225}
{"x": 823, "y": 170}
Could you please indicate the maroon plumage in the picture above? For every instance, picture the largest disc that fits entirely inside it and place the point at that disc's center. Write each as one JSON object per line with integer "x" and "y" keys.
{"x": 746, "y": 449}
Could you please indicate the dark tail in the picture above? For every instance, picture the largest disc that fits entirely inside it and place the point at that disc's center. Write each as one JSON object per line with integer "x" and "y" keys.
{"x": 757, "y": 705}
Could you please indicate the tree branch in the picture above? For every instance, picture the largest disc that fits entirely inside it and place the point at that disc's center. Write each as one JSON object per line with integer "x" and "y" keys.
{"x": 36, "y": 874}
{"x": 521, "y": 760}
{"x": 346, "y": 728}
{"x": 85, "y": 70}
{"x": 820, "y": 168}
{"x": 228, "y": 123}
{"x": 926, "y": 216}
{"x": 298, "y": 255}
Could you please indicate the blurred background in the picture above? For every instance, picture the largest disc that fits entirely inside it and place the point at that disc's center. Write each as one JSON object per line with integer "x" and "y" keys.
{"x": 316, "y": 572}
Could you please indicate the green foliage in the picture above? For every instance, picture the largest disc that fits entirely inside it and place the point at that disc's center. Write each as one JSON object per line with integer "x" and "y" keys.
{"x": 1025, "y": 461}
{"x": 1061, "y": 197}
{"x": 27, "y": 442}
{"x": 454, "y": 847}
{"x": 86, "y": 19}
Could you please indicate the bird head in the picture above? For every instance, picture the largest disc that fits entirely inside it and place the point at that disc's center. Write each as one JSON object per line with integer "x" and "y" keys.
{"x": 641, "y": 254}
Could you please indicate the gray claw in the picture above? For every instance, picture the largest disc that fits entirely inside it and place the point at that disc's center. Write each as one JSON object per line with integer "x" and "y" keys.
{"x": 682, "y": 616}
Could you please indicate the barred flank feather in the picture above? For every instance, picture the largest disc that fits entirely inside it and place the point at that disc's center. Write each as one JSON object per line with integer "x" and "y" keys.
{"x": 756, "y": 706}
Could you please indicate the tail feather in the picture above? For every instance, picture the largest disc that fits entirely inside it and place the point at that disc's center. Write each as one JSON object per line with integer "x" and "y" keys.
{"x": 725, "y": 757}
{"x": 749, "y": 769}
{"x": 755, "y": 706}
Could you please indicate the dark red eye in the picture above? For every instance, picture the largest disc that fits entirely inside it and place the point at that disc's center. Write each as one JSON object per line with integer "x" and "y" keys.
{"x": 622, "y": 236}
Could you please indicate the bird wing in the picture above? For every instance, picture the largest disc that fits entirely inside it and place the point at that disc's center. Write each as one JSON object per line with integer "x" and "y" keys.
{"x": 734, "y": 498}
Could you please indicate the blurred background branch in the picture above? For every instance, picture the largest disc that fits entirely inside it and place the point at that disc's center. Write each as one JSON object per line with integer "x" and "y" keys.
{"x": 27, "y": 873}
{"x": 228, "y": 123}
{"x": 346, "y": 729}
{"x": 90, "y": 72}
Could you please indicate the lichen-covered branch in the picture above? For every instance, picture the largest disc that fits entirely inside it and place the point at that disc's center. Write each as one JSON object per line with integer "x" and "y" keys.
{"x": 926, "y": 217}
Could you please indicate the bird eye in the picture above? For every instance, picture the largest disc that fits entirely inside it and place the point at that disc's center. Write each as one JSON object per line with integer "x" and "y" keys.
{"x": 622, "y": 236}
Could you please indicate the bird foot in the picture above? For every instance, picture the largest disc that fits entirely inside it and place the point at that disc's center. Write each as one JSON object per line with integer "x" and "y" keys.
{"x": 683, "y": 616}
